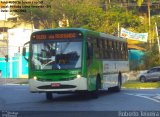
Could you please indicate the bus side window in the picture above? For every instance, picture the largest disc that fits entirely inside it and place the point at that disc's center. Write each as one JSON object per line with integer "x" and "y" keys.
{"x": 89, "y": 53}
{"x": 112, "y": 50}
{"x": 124, "y": 51}
{"x": 115, "y": 50}
{"x": 120, "y": 50}
{"x": 105, "y": 49}
{"x": 97, "y": 43}
{"x": 95, "y": 48}
{"x": 101, "y": 49}
{"x": 108, "y": 49}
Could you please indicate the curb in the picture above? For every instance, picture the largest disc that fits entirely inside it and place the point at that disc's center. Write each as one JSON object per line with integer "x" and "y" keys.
{"x": 14, "y": 84}
{"x": 140, "y": 88}
{"x": 18, "y": 81}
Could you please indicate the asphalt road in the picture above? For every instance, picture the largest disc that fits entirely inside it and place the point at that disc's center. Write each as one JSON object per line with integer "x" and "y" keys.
{"x": 17, "y": 100}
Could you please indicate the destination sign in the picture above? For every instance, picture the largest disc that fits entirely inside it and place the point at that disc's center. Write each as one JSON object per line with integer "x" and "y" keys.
{"x": 71, "y": 35}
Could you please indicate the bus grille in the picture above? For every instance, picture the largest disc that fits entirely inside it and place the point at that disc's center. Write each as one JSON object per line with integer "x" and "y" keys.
{"x": 60, "y": 87}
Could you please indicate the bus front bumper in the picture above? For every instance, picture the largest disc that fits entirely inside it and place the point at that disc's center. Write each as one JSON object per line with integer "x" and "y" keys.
{"x": 76, "y": 84}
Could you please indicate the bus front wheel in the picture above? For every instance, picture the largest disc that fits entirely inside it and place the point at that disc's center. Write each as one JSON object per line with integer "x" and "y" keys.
{"x": 95, "y": 93}
{"x": 49, "y": 96}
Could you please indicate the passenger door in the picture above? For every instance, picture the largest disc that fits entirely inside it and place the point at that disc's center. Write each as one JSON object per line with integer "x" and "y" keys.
{"x": 153, "y": 74}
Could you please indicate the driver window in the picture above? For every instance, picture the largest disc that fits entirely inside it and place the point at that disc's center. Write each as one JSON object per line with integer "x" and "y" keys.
{"x": 89, "y": 53}
{"x": 152, "y": 71}
{"x": 158, "y": 69}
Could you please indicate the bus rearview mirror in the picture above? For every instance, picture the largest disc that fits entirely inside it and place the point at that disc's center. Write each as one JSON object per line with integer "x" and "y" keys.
{"x": 24, "y": 51}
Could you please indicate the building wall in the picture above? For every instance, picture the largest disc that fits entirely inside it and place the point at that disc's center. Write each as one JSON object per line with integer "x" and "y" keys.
{"x": 16, "y": 67}
{"x": 135, "y": 57}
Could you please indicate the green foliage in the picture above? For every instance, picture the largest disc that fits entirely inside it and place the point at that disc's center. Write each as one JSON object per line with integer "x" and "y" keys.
{"x": 139, "y": 2}
{"x": 132, "y": 84}
{"x": 151, "y": 57}
{"x": 115, "y": 15}
{"x": 82, "y": 13}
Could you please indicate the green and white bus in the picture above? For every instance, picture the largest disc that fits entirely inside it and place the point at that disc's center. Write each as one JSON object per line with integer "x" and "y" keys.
{"x": 64, "y": 60}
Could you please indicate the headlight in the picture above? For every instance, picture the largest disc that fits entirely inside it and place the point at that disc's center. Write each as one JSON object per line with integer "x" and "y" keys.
{"x": 34, "y": 78}
{"x": 78, "y": 76}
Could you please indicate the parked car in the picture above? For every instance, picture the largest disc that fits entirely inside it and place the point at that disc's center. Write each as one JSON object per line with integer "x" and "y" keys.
{"x": 152, "y": 74}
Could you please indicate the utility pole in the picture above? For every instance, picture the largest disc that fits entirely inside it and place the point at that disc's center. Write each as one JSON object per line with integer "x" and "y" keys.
{"x": 157, "y": 37}
{"x": 149, "y": 14}
{"x": 149, "y": 21}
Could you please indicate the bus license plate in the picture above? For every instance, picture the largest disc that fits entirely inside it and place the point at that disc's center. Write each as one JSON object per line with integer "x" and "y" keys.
{"x": 55, "y": 85}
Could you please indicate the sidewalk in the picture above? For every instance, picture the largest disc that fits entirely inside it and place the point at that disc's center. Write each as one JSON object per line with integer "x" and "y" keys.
{"x": 13, "y": 81}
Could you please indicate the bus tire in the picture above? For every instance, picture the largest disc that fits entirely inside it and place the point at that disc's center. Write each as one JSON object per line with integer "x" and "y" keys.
{"x": 99, "y": 81}
{"x": 118, "y": 87}
{"x": 95, "y": 94}
{"x": 49, "y": 96}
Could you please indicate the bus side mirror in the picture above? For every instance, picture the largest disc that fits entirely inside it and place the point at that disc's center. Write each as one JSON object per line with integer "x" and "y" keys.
{"x": 24, "y": 51}
{"x": 6, "y": 58}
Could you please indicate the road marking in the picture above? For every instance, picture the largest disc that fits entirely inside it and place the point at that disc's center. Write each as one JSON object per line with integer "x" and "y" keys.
{"x": 157, "y": 97}
{"x": 153, "y": 97}
{"x": 14, "y": 84}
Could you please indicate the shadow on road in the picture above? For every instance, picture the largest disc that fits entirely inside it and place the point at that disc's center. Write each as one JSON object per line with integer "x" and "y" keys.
{"x": 73, "y": 97}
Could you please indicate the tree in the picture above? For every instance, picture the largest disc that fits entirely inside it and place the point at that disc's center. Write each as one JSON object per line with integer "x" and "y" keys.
{"x": 139, "y": 2}
{"x": 116, "y": 14}
{"x": 151, "y": 57}
{"x": 81, "y": 13}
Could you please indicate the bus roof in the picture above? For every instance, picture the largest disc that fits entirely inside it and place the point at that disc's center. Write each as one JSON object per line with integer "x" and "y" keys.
{"x": 103, "y": 35}
{"x": 59, "y": 29}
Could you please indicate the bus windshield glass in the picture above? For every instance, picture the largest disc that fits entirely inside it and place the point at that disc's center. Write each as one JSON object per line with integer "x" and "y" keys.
{"x": 56, "y": 55}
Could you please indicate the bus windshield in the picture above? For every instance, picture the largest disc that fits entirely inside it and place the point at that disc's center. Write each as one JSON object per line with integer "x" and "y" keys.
{"x": 56, "y": 55}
